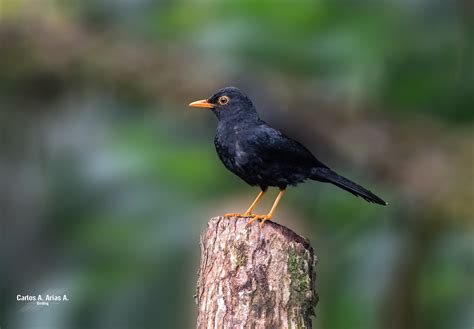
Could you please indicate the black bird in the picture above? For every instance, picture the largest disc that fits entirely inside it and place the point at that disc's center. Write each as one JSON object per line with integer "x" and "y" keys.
{"x": 264, "y": 156}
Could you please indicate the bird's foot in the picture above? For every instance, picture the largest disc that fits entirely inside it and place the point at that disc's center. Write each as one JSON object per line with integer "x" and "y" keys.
{"x": 234, "y": 214}
{"x": 263, "y": 219}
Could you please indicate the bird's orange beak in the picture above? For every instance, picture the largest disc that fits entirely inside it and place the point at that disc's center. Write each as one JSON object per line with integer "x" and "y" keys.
{"x": 201, "y": 103}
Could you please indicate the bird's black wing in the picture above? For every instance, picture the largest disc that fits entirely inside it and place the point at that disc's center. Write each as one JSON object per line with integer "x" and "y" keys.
{"x": 277, "y": 160}
{"x": 273, "y": 145}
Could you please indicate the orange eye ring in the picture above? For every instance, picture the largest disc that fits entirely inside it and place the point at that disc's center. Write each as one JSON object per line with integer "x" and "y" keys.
{"x": 223, "y": 100}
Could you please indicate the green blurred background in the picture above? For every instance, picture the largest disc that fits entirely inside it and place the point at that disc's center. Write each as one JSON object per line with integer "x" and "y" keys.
{"x": 107, "y": 178}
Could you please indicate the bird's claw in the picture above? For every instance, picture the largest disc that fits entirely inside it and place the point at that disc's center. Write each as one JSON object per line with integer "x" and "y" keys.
{"x": 263, "y": 219}
{"x": 234, "y": 214}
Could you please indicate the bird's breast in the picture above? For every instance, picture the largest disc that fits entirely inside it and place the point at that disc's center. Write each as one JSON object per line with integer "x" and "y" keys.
{"x": 233, "y": 152}
{"x": 232, "y": 149}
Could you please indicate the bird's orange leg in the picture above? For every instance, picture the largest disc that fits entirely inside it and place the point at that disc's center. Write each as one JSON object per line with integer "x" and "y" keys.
{"x": 268, "y": 216}
{"x": 254, "y": 203}
{"x": 248, "y": 213}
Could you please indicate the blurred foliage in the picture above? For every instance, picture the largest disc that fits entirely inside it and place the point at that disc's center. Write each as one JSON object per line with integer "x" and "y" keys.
{"x": 107, "y": 178}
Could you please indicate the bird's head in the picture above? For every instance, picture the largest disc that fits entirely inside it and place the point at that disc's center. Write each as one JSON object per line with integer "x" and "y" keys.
{"x": 229, "y": 102}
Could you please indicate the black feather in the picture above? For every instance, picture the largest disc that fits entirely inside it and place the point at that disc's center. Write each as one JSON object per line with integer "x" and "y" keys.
{"x": 329, "y": 176}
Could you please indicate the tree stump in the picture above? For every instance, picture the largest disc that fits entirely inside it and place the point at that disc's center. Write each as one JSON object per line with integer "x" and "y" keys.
{"x": 254, "y": 278}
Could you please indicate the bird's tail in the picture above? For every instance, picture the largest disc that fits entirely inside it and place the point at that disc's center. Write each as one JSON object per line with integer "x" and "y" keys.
{"x": 329, "y": 176}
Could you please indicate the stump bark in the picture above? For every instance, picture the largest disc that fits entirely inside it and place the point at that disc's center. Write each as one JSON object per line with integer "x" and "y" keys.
{"x": 254, "y": 278}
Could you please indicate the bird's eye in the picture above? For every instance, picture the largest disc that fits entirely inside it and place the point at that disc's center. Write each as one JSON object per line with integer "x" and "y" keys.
{"x": 223, "y": 100}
